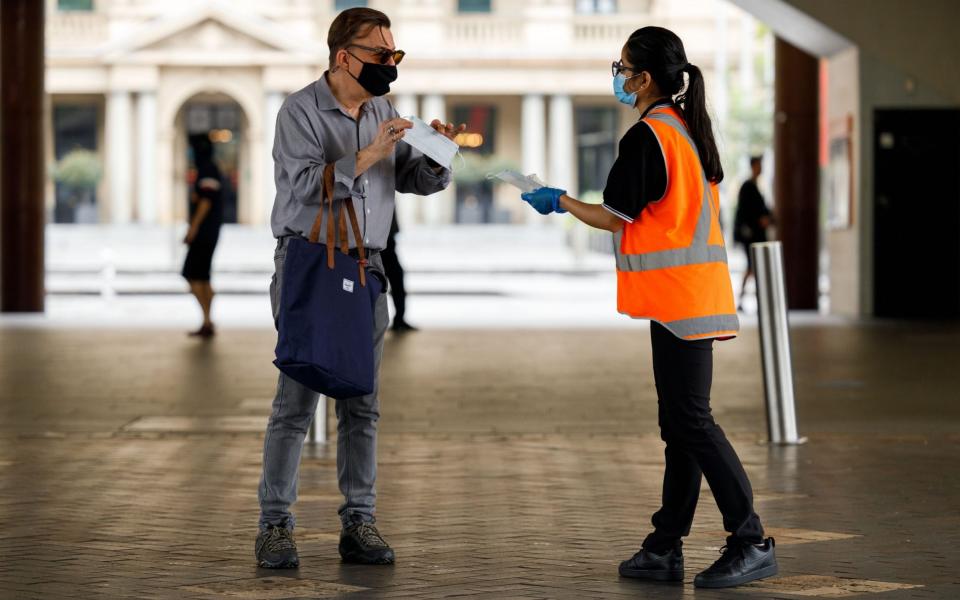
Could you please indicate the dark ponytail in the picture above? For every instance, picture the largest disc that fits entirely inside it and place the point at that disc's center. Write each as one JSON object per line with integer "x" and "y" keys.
{"x": 694, "y": 103}
{"x": 660, "y": 52}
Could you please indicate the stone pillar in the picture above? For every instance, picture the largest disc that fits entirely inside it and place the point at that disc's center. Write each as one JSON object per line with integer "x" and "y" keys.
{"x": 437, "y": 208}
{"x": 533, "y": 135}
{"x": 272, "y": 104}
{"x": 796, "y": 190}
{"x": 533, "y": 143}
{"x": 147, "y": 157}
{"x": 563, "y": 169}
{"x": 21, "y": 156}
{"x": 120, "y": 155}
{"x": 408, "y": 205}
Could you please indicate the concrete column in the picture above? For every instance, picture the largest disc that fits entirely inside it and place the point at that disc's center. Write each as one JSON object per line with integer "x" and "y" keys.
{"x": 408, "y": 205}
{"x": 147, "y": 157}
{"x": 272, "y": 104}
{"x": 796, "y": 187}
{"x": 21, "y": 156}
{"x": 533, "y": 143}
{"x": 533, "y": 135}
{"x": 437, "y": 208}
{"x": 120, "y": 155}
{"x": 563, "y": 169}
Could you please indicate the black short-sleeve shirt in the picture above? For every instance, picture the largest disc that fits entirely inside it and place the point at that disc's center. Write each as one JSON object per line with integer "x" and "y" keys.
{"x": 639, "y": 175}
{"x": 208, "y": 187}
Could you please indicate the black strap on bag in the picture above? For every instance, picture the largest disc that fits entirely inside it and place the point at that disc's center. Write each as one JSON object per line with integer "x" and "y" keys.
{"x": 327, "y": 200}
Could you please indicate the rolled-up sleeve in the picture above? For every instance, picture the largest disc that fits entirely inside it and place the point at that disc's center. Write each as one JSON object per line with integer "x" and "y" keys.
{"x": 297, "y": 151}
{"x": 415, "y": 172}
{"x": 415, "y": 175}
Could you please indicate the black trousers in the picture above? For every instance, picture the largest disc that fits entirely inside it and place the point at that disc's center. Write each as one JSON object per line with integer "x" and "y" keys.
{"x": 683, "y": 371}
{"x": 394, "y": 273}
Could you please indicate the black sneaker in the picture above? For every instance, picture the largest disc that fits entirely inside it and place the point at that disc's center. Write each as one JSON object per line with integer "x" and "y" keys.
{"x": 275, "y": 548}
{"x": 740, "y": 563}
{"x": 361, "y": 543}
{"x": 654, "y": 567}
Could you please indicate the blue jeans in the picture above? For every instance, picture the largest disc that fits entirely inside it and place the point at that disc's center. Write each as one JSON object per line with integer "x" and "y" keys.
{"x": 294, "y": 407}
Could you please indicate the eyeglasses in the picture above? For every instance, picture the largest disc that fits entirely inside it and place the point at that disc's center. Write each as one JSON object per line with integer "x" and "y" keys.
{"x": 383, "y": 54}
{"x": 617, "y": 67}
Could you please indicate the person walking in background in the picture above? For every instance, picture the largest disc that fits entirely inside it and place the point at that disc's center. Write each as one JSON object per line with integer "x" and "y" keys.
{"x": 751, "y": 220}
{"x": 206, "y": 216}
{"x": 662, "y": 205}
{"x": 394, "y": 272}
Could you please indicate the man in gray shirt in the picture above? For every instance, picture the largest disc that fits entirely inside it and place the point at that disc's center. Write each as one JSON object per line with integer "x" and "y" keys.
{"x": 342, "y": 119}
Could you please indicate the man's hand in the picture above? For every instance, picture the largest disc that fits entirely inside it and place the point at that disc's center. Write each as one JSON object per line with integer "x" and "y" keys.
{"x": 544, "y": 200}
{"x": 448, "y": 130}
{"x": 191, "y": 235}
{"x": 383, "y": 145}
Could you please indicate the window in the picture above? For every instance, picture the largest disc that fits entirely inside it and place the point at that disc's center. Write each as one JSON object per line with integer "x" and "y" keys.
{"x": 596, "y": 146}
{"x": 345, "y": 4}
{"x": 75, "y": 5}
{"x": 75, "y": 139}
{"x": 474, "y": 6}
{"x": 596, "y": 7}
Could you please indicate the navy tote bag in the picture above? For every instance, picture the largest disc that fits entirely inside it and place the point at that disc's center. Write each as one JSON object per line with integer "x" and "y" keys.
{"x": 327, "y": 299}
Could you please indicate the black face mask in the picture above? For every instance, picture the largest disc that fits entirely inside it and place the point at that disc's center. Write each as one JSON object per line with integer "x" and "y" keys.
{"x": 375, "y": 78}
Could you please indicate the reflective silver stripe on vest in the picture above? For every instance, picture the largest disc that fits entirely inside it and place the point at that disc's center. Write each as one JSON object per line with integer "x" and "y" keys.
{"x": 698, "y": 252}
{"x": 703, "y": 326}
{"x": 692, "y": 255}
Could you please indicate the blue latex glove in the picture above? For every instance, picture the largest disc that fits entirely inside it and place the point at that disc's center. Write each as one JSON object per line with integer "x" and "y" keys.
{"x": 544, "y": 200}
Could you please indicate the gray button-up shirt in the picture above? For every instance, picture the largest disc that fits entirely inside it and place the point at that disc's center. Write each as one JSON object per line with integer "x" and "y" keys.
{"x": 313, "y": 129}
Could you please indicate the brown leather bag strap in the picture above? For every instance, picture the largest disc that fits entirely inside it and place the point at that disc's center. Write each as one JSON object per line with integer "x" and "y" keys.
{"x": 342, "y": 231}
{"x": 359, "y": 238}
{"x": 326, "y": 201}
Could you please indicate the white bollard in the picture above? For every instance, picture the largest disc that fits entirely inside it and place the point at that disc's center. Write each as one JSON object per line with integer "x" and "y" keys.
{"x": 775, "y": 343}
{"x": 317, "y": 434}
{"x": 108, "y": 275}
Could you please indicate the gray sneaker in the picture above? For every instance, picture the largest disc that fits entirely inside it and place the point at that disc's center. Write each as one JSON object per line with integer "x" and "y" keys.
{"x": 275, "y": 548}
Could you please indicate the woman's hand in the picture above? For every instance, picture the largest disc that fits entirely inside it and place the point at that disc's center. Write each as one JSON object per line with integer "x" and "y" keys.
{"x": 544, "y": 200}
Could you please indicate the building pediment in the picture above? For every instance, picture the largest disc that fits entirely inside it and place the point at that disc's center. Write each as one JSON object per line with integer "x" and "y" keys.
{"x": 214, "y": 35}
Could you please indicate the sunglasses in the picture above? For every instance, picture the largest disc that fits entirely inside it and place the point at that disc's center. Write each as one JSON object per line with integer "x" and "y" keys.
{"x": 618, "y": 67}
{"x": 383, "y": 54}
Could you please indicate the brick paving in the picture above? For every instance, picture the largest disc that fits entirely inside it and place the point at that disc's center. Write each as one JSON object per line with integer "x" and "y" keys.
{"x": 512, "y": 465}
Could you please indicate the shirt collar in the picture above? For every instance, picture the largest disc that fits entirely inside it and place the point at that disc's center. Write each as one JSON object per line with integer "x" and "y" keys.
{"x": 658, "y": 104}
{"x": 327, "y": 101}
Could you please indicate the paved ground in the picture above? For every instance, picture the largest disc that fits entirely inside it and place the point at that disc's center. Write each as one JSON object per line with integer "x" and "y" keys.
{"x": 513, "y": 464}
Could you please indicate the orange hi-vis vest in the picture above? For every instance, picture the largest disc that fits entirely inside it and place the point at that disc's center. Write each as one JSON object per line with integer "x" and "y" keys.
{"x": 671, "y": 261}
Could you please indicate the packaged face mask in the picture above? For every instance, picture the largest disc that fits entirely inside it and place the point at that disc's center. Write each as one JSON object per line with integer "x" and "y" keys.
{"x": 432, "y": 143}
{"x": 525, "y": 183}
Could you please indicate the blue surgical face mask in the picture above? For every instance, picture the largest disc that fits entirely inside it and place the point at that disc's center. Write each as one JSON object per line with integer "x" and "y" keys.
{"x": 630, "y": 99}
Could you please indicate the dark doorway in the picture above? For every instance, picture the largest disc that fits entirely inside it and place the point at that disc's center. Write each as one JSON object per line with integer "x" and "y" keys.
{"x": 596, "y": 146}
{"x": 475, "y": 197}
{"x": 75, "y": 150}
{"x": 223, "y": 123}
{"x": 917, "y": 208}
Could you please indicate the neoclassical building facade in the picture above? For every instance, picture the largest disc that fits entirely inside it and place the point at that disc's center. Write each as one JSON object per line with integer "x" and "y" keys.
{"x": 128, "y": 80}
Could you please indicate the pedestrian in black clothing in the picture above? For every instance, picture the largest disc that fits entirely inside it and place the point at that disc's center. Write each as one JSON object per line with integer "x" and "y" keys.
{"x": 394, "y": 271}
{"x": 752, "y": 219}
{"x": 206, "y": 216}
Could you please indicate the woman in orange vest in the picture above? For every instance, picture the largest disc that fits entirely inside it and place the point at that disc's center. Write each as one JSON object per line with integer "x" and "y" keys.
{"x": 661, "y": 204}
